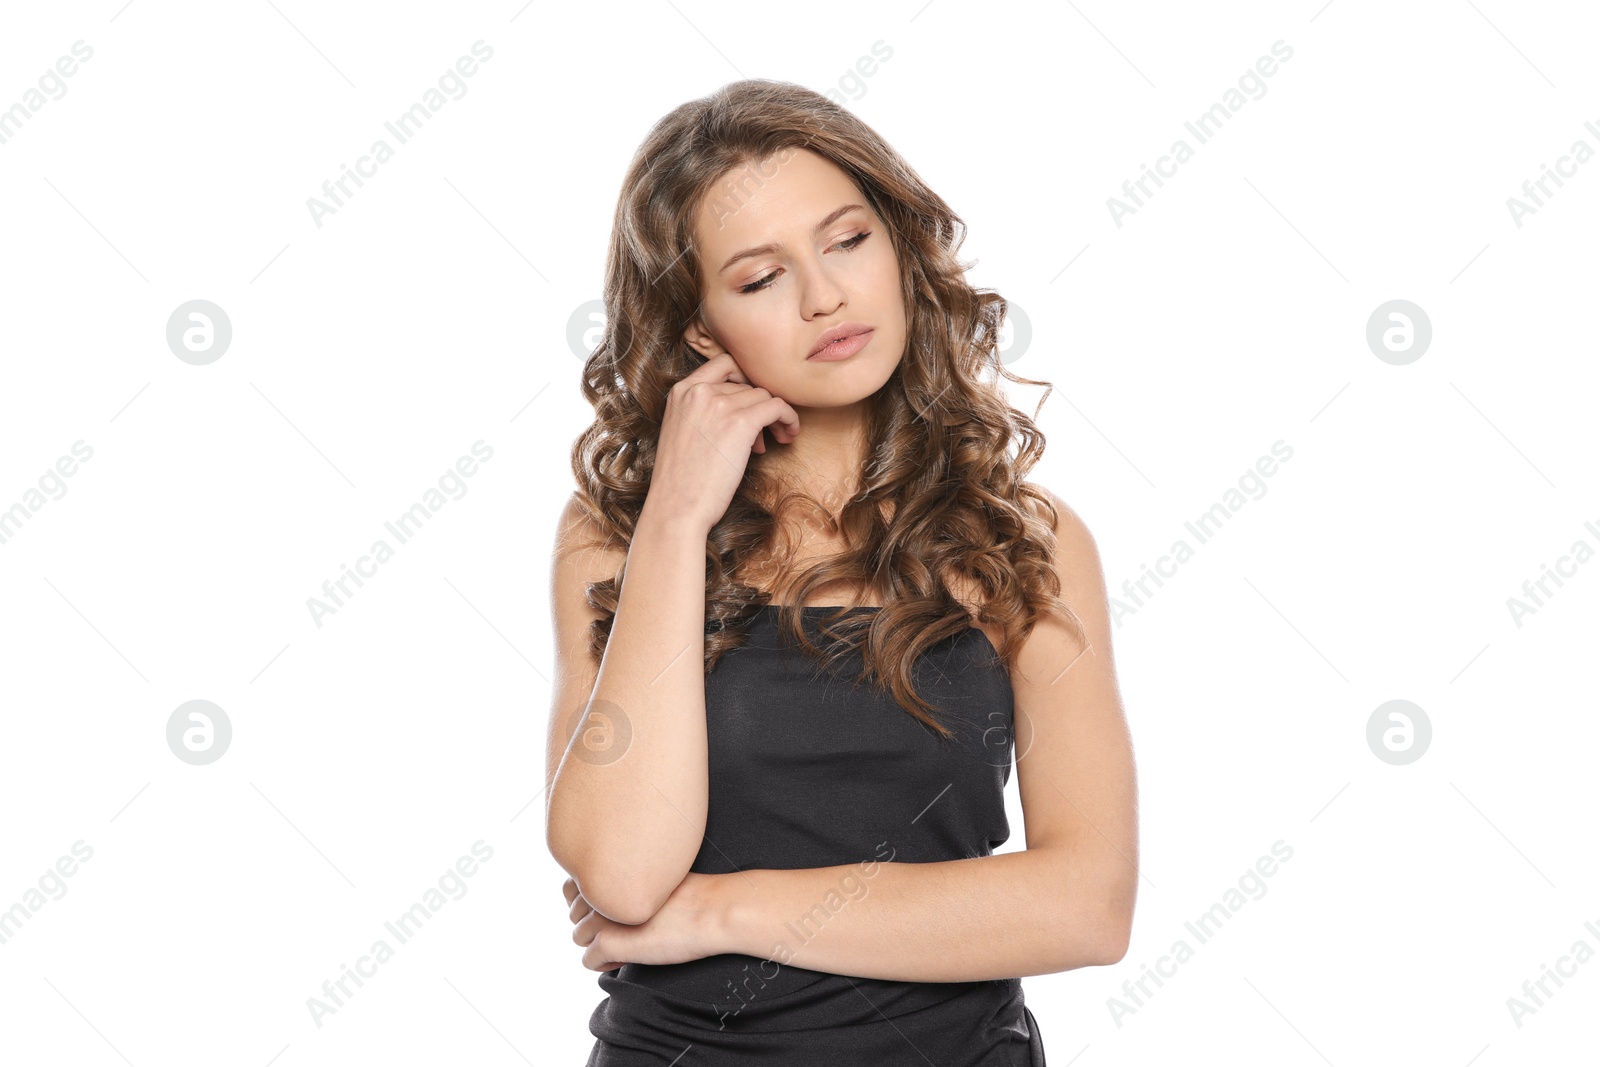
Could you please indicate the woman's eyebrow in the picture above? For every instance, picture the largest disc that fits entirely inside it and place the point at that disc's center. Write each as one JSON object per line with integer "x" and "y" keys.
{"x": 762, "y": 250}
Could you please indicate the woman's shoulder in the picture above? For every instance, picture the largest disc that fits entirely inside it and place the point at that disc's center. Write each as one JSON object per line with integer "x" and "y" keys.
{"x": 581, "y": 553}
{"x": 1073, "y": 538}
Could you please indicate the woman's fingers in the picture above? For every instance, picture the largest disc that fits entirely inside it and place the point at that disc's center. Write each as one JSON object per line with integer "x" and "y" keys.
{"x": 719, "y": 368}
{"x": 578, "y": 906}
{"x": 586, "y": 929}
{"x": 609, "y": 965}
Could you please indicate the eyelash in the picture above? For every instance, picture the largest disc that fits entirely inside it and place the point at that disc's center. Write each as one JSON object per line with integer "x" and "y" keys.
{"x": 849, "y": 246}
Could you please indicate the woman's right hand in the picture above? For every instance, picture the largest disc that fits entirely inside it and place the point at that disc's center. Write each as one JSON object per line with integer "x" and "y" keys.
{"x": 714, "y": 420}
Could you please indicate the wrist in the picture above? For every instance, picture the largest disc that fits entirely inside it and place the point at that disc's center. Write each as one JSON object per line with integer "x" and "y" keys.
{"x": 671, "y": 526}
{"x": 720, "y": 914}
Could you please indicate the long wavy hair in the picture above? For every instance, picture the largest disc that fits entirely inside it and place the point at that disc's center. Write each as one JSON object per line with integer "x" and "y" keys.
{"x": 942, "y": 496}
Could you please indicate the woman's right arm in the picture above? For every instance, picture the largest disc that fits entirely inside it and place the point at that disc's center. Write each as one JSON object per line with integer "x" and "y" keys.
{"x": 627, "y": 789}
{"x": 626, "y": 807}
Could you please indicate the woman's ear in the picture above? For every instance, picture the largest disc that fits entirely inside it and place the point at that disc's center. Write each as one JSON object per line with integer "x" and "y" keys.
{"x": 704, "y": 345}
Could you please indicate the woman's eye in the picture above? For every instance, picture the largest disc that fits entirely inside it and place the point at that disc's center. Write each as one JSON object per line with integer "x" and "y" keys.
{"x": 849, "y": 246}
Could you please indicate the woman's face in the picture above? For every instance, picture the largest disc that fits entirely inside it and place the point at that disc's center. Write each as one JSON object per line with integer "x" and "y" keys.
{"x": 781, "y": 263}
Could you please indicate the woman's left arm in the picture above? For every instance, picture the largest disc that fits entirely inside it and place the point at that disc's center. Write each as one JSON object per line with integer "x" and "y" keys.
{"x": 1065, "y": 902}
{"x": 1004, "y": 916}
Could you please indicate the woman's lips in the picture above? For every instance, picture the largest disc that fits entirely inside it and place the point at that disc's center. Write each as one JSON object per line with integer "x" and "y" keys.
{"x": 842, "y": 349}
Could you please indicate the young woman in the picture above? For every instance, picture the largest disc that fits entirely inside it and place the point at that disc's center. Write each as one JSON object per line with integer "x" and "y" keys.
{"x": 807, "y": 612}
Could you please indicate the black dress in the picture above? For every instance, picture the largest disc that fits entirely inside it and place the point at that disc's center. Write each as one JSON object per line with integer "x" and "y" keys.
{"x": 808, "y": 771}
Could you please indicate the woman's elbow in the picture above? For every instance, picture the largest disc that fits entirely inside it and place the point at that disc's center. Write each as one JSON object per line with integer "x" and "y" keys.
{"x": 1116, "y": 946}
{"x": 626, "y": 905}
{"x": 622, "y": 893}
{"x": 1117, "y": 929}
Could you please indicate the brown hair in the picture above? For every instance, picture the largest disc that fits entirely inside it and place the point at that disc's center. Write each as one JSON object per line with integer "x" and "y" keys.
{"x": 941, "y": 497}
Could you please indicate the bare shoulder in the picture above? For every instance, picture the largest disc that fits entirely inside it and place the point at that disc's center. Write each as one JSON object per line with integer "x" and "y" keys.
{"x": 580, "y": 552}
{"x": 1075, "y": 559}
{"x": 1074, "y": 542}
{"x": 580, "y": 556}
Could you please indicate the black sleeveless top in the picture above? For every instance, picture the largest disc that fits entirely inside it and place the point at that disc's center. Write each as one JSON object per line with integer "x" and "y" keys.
{"x": 808, "y": 770}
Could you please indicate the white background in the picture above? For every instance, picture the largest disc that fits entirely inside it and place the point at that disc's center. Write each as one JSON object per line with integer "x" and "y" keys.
{"x": 432, "y": 311}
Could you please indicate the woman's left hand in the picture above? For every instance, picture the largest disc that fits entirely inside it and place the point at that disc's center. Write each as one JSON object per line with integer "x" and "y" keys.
{"x": 681, "y": 930}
